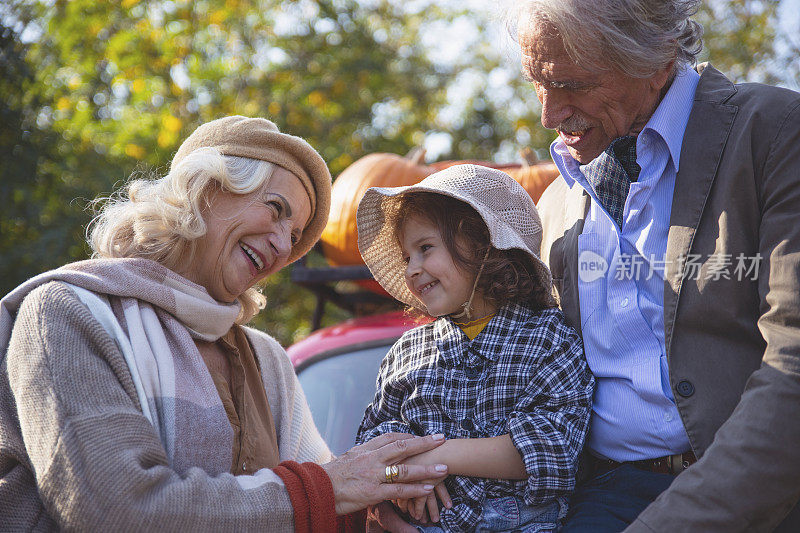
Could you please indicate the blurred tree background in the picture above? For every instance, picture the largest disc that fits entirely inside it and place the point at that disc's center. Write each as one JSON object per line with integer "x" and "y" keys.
{"x": 92, "y": 92}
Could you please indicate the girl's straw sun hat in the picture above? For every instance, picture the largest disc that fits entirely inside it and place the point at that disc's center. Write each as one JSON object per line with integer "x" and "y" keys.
{"x": 503, "y": 204}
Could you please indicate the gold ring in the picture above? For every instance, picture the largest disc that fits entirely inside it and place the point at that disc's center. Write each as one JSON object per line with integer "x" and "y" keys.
{"x": 391, "y": 473}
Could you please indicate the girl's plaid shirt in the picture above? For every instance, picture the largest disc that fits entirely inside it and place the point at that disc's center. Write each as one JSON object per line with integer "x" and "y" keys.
{"x": 525, "y": 374}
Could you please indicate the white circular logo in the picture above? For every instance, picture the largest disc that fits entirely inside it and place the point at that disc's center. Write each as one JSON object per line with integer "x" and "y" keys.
{"x": 591, "y": 266}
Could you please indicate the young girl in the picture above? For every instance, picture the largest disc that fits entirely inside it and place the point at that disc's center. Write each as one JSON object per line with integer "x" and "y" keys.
{"x": 499, "y": 372}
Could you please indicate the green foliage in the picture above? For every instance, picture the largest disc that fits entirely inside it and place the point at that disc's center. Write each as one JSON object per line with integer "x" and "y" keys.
{"x": 109, "y": 87}
{"x": 161, "y": 68}
{"x": 740, "y": 37}
{"x": 97, "y": 90}
{"x": 42, "y": 178}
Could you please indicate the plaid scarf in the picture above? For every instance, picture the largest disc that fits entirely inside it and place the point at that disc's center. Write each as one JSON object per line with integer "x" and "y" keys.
{"x": 154, "y": 315}
{"x": 611, "y": 174}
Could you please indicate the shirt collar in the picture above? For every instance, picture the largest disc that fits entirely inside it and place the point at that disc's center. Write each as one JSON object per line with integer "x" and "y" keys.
{"x": 672, "y": 114}
{"x": 568, "y": 167}
{"x": 668, "y": 121}
{"x": 489, "y": 342}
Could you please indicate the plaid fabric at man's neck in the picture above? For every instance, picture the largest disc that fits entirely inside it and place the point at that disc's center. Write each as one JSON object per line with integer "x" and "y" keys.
{"x": 611, "y": 174}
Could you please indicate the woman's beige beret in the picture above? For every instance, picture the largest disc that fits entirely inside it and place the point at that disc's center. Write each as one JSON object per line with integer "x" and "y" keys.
{"x": 258, "y": 138}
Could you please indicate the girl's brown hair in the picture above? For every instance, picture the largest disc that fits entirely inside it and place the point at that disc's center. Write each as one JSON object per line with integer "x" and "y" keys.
{"x": 508, "y": 275}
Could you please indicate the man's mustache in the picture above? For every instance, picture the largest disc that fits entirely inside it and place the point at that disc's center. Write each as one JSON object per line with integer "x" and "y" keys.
{"x": 573, "y": 123}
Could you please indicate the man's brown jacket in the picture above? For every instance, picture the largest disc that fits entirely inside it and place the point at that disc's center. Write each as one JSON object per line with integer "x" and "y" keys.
{"x": 736, "y": 343}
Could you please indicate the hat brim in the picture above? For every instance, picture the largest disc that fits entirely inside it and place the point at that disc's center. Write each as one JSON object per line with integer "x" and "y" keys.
{"x": 381, "y": 250}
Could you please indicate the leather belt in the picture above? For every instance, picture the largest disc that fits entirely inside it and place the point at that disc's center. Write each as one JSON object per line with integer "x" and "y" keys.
{"x": 669, "y": 464}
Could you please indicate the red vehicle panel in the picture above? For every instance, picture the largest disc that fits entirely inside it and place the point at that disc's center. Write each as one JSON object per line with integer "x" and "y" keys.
{"x": 352, "y": 333}
{"x": 337, "y": 367}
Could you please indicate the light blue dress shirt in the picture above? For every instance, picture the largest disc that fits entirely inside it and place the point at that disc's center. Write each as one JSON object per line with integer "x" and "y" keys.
{"x": 622, "y": 309}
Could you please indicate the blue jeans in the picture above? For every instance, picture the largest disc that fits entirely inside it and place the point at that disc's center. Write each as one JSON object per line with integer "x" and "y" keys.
{"x": 513, "y": 514}
{"x": 611, "y": 501}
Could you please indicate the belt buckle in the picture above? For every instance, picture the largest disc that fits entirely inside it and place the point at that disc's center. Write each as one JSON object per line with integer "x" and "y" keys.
{"x": 677, "y": 463}
{"x": 662, "y": 465}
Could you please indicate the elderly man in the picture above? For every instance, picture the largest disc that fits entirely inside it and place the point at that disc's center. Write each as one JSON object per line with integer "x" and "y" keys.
{"x": 674, "y": 239}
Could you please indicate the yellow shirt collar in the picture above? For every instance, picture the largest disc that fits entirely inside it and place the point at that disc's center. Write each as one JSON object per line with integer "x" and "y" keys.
{"x": 472, "y": 328}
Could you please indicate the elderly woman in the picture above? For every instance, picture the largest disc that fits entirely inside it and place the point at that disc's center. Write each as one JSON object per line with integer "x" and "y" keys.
{"x": 131, "y": 394}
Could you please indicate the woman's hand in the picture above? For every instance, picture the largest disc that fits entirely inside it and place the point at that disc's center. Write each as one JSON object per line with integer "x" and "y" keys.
{"x": 359, "y": 476}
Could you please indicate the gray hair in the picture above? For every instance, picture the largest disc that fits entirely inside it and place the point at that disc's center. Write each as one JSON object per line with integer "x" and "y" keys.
{"x": 636, "y": 37}
{"x": 160, "y": 219}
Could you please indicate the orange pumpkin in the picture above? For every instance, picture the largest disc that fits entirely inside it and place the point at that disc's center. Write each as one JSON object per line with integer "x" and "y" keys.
{"x": 340, "y": 237}
{"x": 535, "y": 178}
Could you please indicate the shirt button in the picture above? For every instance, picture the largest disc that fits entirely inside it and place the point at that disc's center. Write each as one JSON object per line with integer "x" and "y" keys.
{"x": 244, "y": 466}
{"x": 668, "y": 417}
{"x": 685, "y": 388}
{"x": 624, "y": 302}
{"x": 467, "y": 424}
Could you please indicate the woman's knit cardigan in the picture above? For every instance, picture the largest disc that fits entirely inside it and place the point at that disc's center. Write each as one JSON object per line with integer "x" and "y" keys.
{"x": 77, "y": 453}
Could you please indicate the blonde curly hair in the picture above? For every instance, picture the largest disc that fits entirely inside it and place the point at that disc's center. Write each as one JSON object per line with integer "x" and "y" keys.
{"x": 160, "y": 219}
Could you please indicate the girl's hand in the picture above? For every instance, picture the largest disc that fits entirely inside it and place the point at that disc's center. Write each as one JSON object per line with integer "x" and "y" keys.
{"x": 401, "y": 504}
{"x": 426, "y": 508}
{"x": 444, "y": 496}
{"x": 411, "y": 507}
{"x": 429, "y": 503}
{"x": 382, "y": 517}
